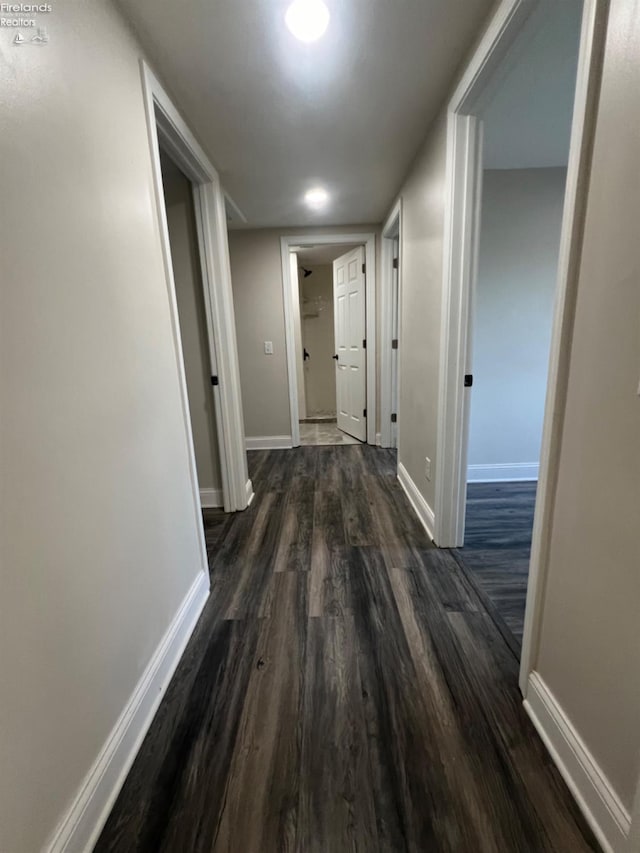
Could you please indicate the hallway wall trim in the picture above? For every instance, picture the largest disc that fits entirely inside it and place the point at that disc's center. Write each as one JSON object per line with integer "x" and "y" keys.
{"x": 269, "y": 442}
{"x": 81, "y": 825}
{"x": 417, "y": 501}
{"x": 503, "y": 472}
{"x": 601, "y": 806}
{"x": 211, "y": 498}
{"x": 368, "y": 240}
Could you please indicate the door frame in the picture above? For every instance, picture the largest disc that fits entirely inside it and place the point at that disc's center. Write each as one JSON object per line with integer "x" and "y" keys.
{"x": 368, "y": 240}
{"x": 166, "y": 126}
{"x": 391, "y": 230}
{"x": 463, "y": 176}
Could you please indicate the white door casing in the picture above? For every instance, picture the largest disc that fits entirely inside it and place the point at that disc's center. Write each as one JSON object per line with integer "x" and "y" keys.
{"x": 395, "y": 331}
{"x": 349, "y": 305}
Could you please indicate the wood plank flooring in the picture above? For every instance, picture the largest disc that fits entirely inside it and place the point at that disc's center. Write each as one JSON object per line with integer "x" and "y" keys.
{"x": 345, "y": 690}
{"x": 497, "y": 547}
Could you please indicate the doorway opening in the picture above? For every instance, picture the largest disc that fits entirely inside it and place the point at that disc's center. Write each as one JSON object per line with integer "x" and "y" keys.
{"x": 329, "y": 294}
{"x": 194, "y": 334}
{"x": 517, "y": 120}
{"x": 526, "y": 128}
{"x": 192, "y": 222}
{"x": 327, "y": 414}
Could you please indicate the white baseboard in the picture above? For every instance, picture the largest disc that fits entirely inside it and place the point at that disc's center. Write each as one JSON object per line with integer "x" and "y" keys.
{"x": 80, "y": 827}
{"x": 421, "y": 507}
{"x": 210, "y": 498}
{"x": 502, "y": 473}
{"x": 378, "y": 439}
{"x": 249, "y": 491}
{"x": 599, "y": 803}
{"x": 269, "y": 442}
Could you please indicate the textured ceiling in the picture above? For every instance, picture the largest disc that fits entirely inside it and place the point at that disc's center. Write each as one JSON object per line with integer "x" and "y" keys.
{"x": 277, "y": 116}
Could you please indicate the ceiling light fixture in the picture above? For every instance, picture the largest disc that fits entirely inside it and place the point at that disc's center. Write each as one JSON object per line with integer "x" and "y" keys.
{"x": 316, "y": 198}
{"x": 307, "y": 19}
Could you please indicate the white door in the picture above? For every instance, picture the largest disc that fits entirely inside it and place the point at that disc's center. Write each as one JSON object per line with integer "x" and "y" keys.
{"x": 350, "y": 325}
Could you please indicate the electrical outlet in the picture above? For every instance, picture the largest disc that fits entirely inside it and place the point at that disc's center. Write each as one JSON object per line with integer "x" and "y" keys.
{"x": 427, "y": 468}
{"x": 268, "y": 347}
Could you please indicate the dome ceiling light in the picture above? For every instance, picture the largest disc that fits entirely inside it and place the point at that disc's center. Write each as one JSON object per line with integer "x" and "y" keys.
{"x": 307, "y": 19}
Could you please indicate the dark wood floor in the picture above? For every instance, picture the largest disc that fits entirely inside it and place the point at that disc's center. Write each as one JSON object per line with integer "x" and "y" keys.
{"x": 345, "y": 690}
{"x": 497, "y": 547}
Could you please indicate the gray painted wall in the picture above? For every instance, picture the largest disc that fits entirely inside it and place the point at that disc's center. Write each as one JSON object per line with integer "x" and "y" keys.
{"x": 519, "y": 241}
{"x": 99, "y": 541}
{"x": 419, "y": 352}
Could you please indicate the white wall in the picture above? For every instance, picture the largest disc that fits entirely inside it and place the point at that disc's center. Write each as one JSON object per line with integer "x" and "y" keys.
{"x": 318, "y": 336}
{"x": 193, "y": 323}
{"x": 513, "y": 313}
{"x": 99, "y": 538}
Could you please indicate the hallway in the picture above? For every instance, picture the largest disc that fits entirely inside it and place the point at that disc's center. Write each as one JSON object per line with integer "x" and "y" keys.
{"x": 345, "y": 689}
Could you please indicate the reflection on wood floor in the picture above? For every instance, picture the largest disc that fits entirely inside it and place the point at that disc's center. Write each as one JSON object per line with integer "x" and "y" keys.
{"x": 345, "y": 690}
{"x": 497, "y": 547}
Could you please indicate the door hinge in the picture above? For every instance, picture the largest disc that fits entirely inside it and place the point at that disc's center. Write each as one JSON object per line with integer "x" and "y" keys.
{"x": 395, "y": 263}
{"x": 364, "y": 268}
{"x": 394, "y": 418}
{"x": 364, "y": 413}
{"x": 364, "y": 343}
{"x": 214, "y": 380}
{"x": 468, "y": 380}
{"x": 394, "y": 343}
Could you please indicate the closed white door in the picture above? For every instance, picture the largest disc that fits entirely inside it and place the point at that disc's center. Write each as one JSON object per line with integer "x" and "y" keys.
{"x": 351, "y": 356}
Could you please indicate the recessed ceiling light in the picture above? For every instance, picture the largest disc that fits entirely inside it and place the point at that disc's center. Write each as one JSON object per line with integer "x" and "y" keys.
{"x": 307, "y": 19}
{"x": 316, "y": 198}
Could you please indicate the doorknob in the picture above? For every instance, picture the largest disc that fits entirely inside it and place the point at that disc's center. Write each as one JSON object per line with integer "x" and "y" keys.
{"x": 336, "y": 357}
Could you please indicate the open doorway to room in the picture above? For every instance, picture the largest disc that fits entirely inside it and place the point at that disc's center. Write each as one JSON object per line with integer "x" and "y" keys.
{"x": 194, "y": 335}
{"x": 329, "y": 295}
{"x": 192, "y": 222}
{"x": 323, "y": 367}
{"x": 525, "y": 121}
